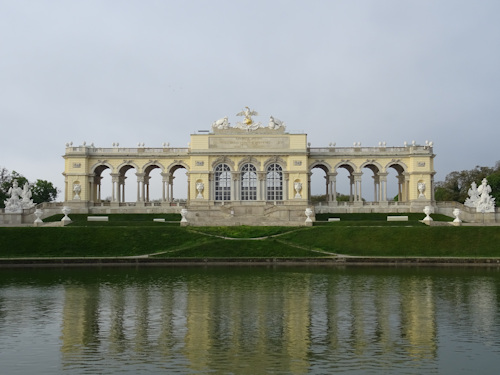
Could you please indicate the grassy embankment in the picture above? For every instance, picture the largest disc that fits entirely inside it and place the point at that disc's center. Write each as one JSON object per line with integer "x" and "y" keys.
{"x": 355, "y": 234}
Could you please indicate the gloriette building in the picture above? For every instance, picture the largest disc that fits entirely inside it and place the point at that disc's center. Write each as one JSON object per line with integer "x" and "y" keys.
{"x": 248, "y": 174}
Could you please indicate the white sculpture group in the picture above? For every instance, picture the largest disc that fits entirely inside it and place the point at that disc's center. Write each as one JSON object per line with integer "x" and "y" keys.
{"x": 480, "y": 198}
{"x": 20, "y": 199}
{"x": 248, "y": 123}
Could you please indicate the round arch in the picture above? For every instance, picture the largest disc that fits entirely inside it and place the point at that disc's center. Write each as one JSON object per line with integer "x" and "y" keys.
{"x": 317, "y": 179}
{"x": 249, "y": 160}
{"x": 123, "y": 169}
{"x": 402, "y": 182}
{"x": 354, "y": 179}
{"x": 153, "y": 191}
{"x": 180, "y": 190}
{"x": 377, "y": 177}
{"x": 98, "y": 183}
{"x": 274, "y": 160}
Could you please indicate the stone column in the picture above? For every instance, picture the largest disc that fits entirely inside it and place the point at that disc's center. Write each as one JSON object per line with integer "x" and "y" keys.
{"x": 333, "y": 187}
{"x": 91, "y": 189}
{"x": 189, "y": 187}
{"x": 383, "y": 187}
{"x": 376, "y": 188}
{"x": 115, "y": 182}
{"x": 286, "y": 183}
{"x": 211, "y": 186}
{"x": 146, "y": 188}
{"x": 140, "y": 187}
{"x": 171, "y": 187}
{"x": 122, "y": 188}
{"x": 97, "y": 184}
{"x": 235, "y": 191}
{"x": 407, "y": 188}
{"x": 309, "y": 187}
{"x": 357, "y": 183}
{"x": 432, "y": 188}
{"x": 351, "y": 183}
{"x": 164, "y": 181}
{"x": 261, "y": 189}
{"x": 400, "y": 187}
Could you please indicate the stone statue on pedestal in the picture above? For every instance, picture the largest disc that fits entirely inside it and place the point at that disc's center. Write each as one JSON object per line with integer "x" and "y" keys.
{"x": 480, "y": 198}
{"x": 486, "y": 201}
{"x": 20, "y": 199}
{"x": 473, "y": 196}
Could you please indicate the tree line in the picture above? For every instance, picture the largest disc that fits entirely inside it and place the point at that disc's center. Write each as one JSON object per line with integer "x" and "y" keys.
{"x": 456, "y": 184}
{"x": 41, "y": 190}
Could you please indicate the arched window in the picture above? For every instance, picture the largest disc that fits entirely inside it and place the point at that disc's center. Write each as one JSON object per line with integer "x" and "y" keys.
{"x": 274, "y": 182}
{"x": 222, "y": 183}
{"x": 248, "y": 183}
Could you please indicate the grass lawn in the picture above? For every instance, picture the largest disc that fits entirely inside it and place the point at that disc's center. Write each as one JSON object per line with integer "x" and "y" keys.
{"x": 376, "y": 219}
{"x": 136, "y": 235}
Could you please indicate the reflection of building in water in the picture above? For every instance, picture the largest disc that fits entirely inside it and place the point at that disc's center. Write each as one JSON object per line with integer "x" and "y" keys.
{"x": 210, "y": 322}
{"x": 418, "y": 317}
{"x": 249, "y": 326}
{"x": 483, "y": 303}
{"x": 80, "y": 318}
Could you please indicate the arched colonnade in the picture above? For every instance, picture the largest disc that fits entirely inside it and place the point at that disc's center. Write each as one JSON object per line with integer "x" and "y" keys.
{"x": 356, "y": 174}
{"x": 143, "y": 174}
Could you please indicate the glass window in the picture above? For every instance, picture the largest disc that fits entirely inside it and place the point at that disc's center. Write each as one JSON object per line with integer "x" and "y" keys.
{"x": 222, "y": 183}
{"x": 274, "y": 182}
{"x": 248, "y": 183}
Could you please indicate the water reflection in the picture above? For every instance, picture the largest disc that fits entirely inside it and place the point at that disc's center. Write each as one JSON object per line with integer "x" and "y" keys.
{"x": 249, "y": 321}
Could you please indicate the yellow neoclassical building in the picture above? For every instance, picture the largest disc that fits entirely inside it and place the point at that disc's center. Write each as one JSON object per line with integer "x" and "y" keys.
{"x": 248, "y": 174}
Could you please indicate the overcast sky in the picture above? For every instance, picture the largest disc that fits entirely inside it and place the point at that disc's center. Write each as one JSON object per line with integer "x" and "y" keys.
{"x": 157, "y": 71}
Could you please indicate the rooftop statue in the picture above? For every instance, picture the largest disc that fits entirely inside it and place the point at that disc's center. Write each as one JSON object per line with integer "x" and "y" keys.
{"x": 20, "y": 199}
{"x": 221, "y": 123}
{"x": 248, "y": 123}
{"x": 274, "y": 123}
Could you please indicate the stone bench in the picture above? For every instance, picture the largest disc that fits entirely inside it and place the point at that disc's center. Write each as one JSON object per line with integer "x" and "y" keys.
{"x": 397, "y": 218}
{"x": 159, "y": 220}
{"x": 97, "y": 218}
{"x": 334, "y": 219}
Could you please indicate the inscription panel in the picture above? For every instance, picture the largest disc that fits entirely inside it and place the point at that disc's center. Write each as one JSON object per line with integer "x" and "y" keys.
{"x": 236, "y": 143}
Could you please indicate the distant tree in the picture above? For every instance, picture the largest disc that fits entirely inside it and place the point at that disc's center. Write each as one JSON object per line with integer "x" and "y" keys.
{"x": 315, "y": 199}
{"x": 43, "y": 191}
{"x": 494, "y": 182}
{"x": 343, "y": 198}
{"x": 456, "y": 185}
{"x": 3, "y": 178}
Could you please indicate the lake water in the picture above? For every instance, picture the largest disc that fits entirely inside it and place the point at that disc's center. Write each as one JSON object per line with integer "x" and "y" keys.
{"x": 249, "y": 320}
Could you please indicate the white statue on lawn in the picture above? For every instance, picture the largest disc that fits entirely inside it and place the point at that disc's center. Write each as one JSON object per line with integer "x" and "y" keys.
{"x": 20, "y": 199}
{"x": 486, "y": 201}
{"x": 473, "y": 196}
{"x": 480, "y": 198}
